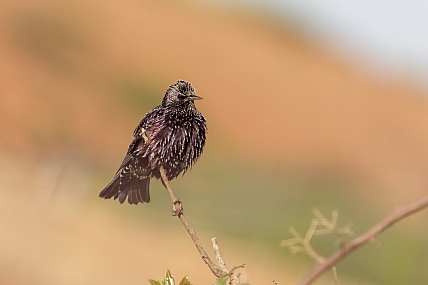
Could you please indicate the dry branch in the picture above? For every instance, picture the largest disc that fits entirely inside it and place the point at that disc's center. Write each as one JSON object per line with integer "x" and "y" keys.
{"x": 177, "y": 210}
{"x": 365, "y": 238}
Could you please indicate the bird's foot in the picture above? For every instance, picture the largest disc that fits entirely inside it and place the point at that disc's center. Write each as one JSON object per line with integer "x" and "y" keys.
{"x": 177, "y": 207}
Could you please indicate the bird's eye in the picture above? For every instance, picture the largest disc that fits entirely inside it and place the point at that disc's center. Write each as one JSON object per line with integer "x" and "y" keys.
{"x": 181, "y": 96}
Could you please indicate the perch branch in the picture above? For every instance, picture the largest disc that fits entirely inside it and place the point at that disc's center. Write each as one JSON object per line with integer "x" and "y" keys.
{"x": 177, "y": 207}
{"x": 216, "y": 270}
{"x": 178, "y": 211}
{"x": 365, "y": 238}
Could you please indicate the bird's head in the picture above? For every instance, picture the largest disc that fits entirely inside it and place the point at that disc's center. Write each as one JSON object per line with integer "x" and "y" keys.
{"x": 179, "y": 93}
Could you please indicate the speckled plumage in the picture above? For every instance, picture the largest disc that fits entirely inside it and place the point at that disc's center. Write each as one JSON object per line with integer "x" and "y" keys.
{"x": 172, "y": 135}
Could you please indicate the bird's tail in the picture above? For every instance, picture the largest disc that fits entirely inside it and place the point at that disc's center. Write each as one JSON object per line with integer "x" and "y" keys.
{"x": 129, "y": 184}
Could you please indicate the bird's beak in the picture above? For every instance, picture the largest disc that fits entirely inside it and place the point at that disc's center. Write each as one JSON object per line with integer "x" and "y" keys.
{"x": 193, "y": 97}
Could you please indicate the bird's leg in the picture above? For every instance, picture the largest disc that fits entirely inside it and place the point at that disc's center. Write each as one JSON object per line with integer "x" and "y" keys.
{"x": 177, "y": 207}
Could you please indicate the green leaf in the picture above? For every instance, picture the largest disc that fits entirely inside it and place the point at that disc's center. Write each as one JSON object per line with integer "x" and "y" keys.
{"x": 185, "y": 281}
{"x": 169, "y": 279}
{"x": 153, "y": 282}
{"x": 224, "y": 280}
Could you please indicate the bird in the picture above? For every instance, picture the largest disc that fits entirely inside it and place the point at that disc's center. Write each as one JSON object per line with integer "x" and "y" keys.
{"x": 166, "y": 143}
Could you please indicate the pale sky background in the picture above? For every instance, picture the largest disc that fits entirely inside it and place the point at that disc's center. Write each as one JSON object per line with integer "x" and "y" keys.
{"x": 388, "y": 36}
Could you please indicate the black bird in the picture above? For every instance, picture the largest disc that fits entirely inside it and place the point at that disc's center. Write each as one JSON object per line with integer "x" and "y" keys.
{"x": 170, "y": 137}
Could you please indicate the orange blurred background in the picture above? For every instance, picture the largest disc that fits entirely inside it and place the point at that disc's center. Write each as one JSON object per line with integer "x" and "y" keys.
{"x": 292, "y": 126}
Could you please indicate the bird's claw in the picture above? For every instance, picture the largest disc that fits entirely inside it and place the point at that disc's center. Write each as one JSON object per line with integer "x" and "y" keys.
{"x": 177, "y": 207}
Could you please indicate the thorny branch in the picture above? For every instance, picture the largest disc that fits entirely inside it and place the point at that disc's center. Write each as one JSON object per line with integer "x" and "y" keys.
{"x": 365, "y": 238}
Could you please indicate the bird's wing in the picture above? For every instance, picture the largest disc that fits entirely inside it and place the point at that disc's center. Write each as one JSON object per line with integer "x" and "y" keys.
{"x": 132, "y": 179}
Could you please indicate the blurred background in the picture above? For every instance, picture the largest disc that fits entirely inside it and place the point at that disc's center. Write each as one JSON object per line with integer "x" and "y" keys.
{"x": 311, "y": 105}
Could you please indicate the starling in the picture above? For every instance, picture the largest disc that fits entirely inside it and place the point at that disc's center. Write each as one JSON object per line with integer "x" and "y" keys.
{"x": 170, "y": 138}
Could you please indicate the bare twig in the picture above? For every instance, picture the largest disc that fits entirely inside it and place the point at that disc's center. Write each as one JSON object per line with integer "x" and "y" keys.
{"x": 217, "y": 254}
{"x": 177, "y": 209}
{"x": 303, "y": 245}
{"x": 215, "y": 269}
{"x": 336, "y": 280}
{"x": 365, "y": 238}
{"x": 234, "y": 276}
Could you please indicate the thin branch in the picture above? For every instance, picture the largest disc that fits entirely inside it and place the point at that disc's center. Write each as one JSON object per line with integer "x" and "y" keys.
{"x": 177, "y": 207}
{"x": 216, "y": 270}
{"x": 336, "y": 280}
{"x": 303, "y": 245}
{"x": 217, "y": 254}
{"x": 365, "y": 238}
{"x": 177, "y": 210}
{"x": 234, "y": 276}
